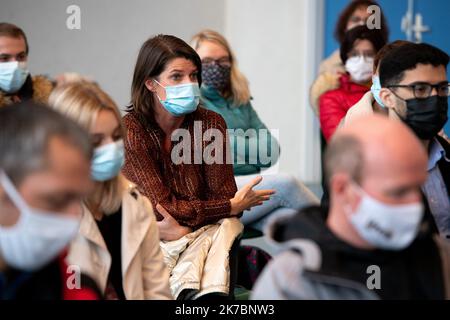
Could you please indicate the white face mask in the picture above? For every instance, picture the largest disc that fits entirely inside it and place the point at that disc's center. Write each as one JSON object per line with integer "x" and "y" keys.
{"x": 12, "y": 76}
{"x": 37, "y": 237}
{"x": 391, "y": 227}
{"x": 360, "y": 68}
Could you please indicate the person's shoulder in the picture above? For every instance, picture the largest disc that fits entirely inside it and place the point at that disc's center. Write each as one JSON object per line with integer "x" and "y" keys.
{"x": 140, "y": 205}
{"x": 132, "y": 121}
{"x": 209, "y": 116}
{"x": 362, "y": 108}
{"x": 130, "y": 116}
{"x": 205, "y": 113}
{"x": 42, "y": 88}
{"x": 332, "y": 95}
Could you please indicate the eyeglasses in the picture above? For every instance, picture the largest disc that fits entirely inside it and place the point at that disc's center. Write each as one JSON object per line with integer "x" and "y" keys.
{"x": 223, "y": 62}
{"x": 422, "y": 90}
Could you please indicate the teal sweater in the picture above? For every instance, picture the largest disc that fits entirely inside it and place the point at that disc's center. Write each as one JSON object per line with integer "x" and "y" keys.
{"x": 245, "y": 118}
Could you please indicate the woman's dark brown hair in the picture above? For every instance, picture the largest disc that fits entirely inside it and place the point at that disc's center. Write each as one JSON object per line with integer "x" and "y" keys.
{"x": 153, "y": 58}
{"x": 341, "y": 26}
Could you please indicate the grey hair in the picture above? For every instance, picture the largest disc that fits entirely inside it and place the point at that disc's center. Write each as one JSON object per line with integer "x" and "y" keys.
{"x": 25, "y": 132}
{"x": 344, "y": 154}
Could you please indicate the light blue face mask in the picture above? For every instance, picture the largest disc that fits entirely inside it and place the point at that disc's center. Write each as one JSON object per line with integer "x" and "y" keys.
{"x": 12, "y": 76}
{"x": 376, "y": 88}
{"x": 107, "y": 161}
{"x": 181, "y": 99}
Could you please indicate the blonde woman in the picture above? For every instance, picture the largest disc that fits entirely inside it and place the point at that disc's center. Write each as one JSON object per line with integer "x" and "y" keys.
{"x": 225, "y": 90}
{"x": 118, "y": 241}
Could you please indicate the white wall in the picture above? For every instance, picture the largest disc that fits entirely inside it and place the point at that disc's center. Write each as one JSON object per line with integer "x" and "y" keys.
{"x": 278, "y": 47}
{"x": 111, "y": 34}
{"x": 277, "y": 42}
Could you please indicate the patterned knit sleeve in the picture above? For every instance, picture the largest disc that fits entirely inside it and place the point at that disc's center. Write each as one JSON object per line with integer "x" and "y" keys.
{"x": 218, "y": 173}
{"x": 141, "y": 167}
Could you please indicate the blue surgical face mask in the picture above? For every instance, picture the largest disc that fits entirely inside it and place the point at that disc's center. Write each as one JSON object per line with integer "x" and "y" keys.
{"x": 12, "y": 76}
{"x": 181, "y": 99}
{"x": 107, "y": 161}
{"x": 376, "y": 88}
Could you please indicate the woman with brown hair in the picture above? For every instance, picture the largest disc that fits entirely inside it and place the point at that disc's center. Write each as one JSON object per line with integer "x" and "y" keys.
{"x": 358, "y": 51}
{"x": 165, "y": 100}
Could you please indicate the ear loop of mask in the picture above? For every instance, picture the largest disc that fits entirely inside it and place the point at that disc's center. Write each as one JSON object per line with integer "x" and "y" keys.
{"x": 15, "y": 198}
{"x": 393, "y": 109}
{"x": 12, "y": 192}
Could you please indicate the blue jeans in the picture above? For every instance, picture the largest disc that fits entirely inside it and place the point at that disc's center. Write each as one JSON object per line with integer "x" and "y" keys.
{"x": 291, "y": 195}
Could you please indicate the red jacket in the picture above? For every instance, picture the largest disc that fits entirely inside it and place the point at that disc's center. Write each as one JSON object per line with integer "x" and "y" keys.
{"x": 334, "y": 104}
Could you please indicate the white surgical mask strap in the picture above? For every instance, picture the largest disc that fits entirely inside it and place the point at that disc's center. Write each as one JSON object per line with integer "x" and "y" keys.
{"x": 161, "y": 87}
{"x": 12, "y": 192}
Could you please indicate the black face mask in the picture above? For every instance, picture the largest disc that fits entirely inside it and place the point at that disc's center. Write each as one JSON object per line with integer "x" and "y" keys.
{"x": 426, "y": 117}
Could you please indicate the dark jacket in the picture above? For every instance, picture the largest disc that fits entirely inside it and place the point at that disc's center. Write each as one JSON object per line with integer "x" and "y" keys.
{"x": 318, "y": 265}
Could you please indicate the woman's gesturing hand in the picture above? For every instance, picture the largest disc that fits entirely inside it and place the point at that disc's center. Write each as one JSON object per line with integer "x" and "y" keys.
{"x": 246, "y": 197}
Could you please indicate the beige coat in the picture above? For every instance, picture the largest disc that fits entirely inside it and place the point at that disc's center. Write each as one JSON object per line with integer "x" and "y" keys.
{"x": 199, "y": 261}
{"x": 363, "y": 108}
{"x": 144, "y": 273}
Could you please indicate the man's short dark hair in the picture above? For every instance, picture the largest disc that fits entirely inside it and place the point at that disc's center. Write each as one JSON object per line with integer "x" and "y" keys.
{"x": 406, "y": 57}
{"x": 25, "y": 132}
{"x": 13, "y": 31}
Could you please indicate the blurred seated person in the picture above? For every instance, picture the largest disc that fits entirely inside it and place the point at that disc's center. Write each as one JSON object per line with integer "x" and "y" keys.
{"x": 16, "y": 83}
{"x": 415, "y": 87}
{"x": 355, "y": 14}
{"x": 44, "y": 174}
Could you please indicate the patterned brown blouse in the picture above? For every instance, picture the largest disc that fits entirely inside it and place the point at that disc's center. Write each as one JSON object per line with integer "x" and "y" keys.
{"x": 195, "y": 193}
